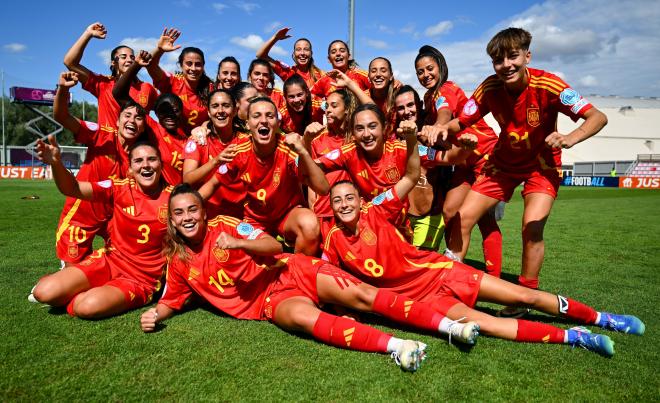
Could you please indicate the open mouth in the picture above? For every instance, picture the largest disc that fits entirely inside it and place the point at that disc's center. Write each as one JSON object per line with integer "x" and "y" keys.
{"x": 263, "y": 131}
{"x": 130, "y": 129}
{"x": 147, "y": 173}
{"x": 379, "y": 80}
{"x": 189, "y": 226}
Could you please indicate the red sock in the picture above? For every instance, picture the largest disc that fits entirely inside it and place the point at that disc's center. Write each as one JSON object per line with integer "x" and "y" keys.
{"x": 347, "y": 333}
{"x": 405, "y": 310}
{"x": 492, "y": 246}
{"x": 69, "y": 306}
{"x": 532, "y": 283}
{"x": 535, "y": 332}
{"x": 576, "y": 310}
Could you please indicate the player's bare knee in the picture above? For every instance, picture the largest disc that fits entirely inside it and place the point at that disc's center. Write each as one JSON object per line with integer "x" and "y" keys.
{"x": 364, "y": 296}
{"x": 88, "y": 306}
{"x": 527, "y": 297}
{"x": 47, "y": 291}
{"x": 532, "y": 231}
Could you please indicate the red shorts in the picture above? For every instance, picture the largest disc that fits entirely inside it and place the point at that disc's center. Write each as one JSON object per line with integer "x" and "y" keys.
{"x": 297, "y": 279}
{"x": 444, "y": 288}
{"x": 274, "y": 227}
{"x": 500, "y": 185}
{"x": 99, "y": 272}
{"x": 76, "y": 230}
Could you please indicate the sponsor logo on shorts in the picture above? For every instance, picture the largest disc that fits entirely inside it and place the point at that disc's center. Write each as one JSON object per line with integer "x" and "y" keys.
{"x": 563, "y": 304}
{"x": 569, "y": 97}
{"x": 533, "y": 117}
{"x": 470, "y": 107}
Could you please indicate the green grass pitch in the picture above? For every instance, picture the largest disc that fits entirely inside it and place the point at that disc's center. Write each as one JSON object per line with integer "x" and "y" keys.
{"x": 602, "y": 247}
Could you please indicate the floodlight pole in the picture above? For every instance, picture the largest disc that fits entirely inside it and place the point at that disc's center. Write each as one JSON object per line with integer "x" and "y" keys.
{"x": 351, "y": 27}
{"x": 4, "y": 147}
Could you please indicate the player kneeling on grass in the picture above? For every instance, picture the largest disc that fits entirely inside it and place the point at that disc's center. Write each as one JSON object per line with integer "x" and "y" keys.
{"x": 366, "y": 242}
{"x": 125, "y": 274}
{"x": 231, "y": 265}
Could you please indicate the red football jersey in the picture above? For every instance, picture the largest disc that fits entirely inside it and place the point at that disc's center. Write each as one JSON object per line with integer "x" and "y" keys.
{"x": 378, "y": 254}
{"x": 229, "y": 201}
{"x": 450, "y": 96}
{"x": 321, "y": 145}
{"x": 371, "y": 178}
{"x": 137, "y": 228}
{"x": 171, "y": 151}
{"x": 285, "y": 71}
{"x": 525, "y": 121}
{"x": 229, "y": 279}
{"x": 273, "y": 186}
{"x": 101, "y": 87}
{"x": 276, "y": 95}
{"x": 324, "y": 87}
{"x": 293, "y": 122}
{"x": 194, "y": 109}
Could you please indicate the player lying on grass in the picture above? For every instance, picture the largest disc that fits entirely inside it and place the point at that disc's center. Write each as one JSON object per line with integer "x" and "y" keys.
{"x": 366, "y": 242}
{"x": 125, "y": 274}
{"x": 230, "y": 264}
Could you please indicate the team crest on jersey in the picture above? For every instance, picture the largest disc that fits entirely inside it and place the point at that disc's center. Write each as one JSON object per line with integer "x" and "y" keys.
{"x": 162, "y": 214}
{"x": 142, "y": 100}
{"x": 392, "y": 174}
{"x": 73, "y": 251}
{"x": 221, "y": 255}
{"x": 470, "y": 107}
{"x": 333, "y": 155}
{"x": 533, "y": 117}
{"x": 368, "y": 236}
{"x": 276, "y": 177}
{"x": 191, "y": 146}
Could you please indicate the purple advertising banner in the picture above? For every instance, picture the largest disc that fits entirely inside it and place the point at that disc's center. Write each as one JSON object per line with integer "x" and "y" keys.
{"x": 36, "y": 96}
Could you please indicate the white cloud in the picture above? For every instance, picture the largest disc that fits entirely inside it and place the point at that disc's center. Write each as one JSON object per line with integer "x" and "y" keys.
{"x": 376, "y": 44}
{"x": 272, "y": 27}
{"x": 14, "y": 47}
{"x": 254, "y": 42}
{"x": 168, "y": 61}
{"x": 183, "y": 3}
{"x": 438, "y": 29}
{"x": 408, "y": 29}
{"x": 559, "y": 74}
{"x": 219, "y": 7}
{"x": 588, "y": 81}
{"x": 385, "y": 29}
{"x": 247, "y": 7}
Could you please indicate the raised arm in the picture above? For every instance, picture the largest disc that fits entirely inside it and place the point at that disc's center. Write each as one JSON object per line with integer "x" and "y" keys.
{"x": 281, "y": 34}
{"x": 74, "y": 54}
{"x": 312, "y": 174}
{"x": 121, "y": 90}
{"x": 342, "y": 80}
{"x": 594, "y": 121}
{"x": 165, "y": 44}
{"x": 264, "y": 245}
{"x": 61, "y": 103}
{"x": 65, "y": 181}
{"x": 193, "y": 173}
{"x": 408, "y": 130}
{"x": 207, "y": 189}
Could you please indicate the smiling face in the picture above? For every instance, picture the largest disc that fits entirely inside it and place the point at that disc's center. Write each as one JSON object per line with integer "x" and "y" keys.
{"x": 188, "y": 217}
{"x": 122, "y": 60}
{"x": 130, "y": 124}
{"x": 302, "y": 52}
{"x": 380, "y": 74}
{"x": 264, "y": 124}
{"x": 338, "y": 55}
{"x": 145, "y": 167}
{"x": 260, "y": 77}
{"x": 193, "y": 67}
{"x": 335, "y": 111}
{"x": 368, "y": 133}
{"x": 511, "y": 67}
{"x": 405, "y": 107}
{"x": 345, "y": 203}
{"x": 228, "y": 75}
{"x": 244, "y": 102}
{"x": 221, "y": 111}
{"x": 428, "y": 72}
{"x": 169, "y": 115}
{"x": 296, "y": 97}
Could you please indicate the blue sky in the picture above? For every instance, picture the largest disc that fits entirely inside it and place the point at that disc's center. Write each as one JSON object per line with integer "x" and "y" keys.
{"x": 605, "y": 48}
